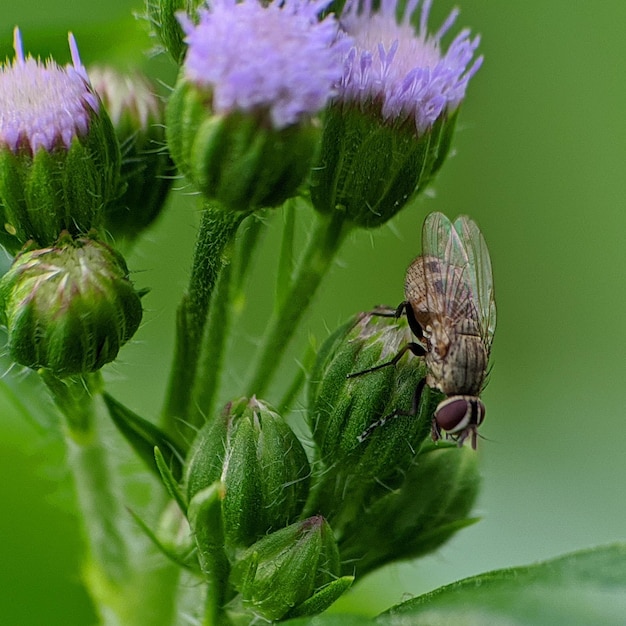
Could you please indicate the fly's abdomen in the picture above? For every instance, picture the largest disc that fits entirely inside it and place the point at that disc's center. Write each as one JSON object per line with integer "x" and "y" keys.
{"x": 463, "y": 368}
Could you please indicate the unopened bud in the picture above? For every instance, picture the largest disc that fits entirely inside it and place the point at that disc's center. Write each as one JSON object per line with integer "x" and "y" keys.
{"x": 283, "y": 570}
{"x": 70, "y": 307}
{"x": 432, "y": 504}
{"x": 137, "y": 114}
{"x": 261, "y": 465}
{"x": 369, "y": 422}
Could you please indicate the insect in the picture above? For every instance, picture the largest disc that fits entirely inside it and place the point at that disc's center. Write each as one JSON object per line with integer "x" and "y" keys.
{"x": 451, "y": 310}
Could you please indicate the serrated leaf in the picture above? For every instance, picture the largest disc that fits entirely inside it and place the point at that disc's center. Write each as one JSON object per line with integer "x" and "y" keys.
{"x": 144, "y": 436}
{"x": 579, "y": 589}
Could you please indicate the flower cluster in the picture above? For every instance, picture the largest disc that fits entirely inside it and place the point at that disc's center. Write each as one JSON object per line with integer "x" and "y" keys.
{"x": 349, "y": 108}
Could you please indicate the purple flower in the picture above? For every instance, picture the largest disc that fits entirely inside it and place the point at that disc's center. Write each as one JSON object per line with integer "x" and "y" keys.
{"x": 403, "y": 72}
{"x": 43, "y": 105}
{"x": 277, "y": 58}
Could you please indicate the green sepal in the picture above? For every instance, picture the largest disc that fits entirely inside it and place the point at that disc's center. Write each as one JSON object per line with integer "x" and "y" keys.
{"x": 261, "y": 463}
{"x": 143, "y": 436}
{"x": 183, "y": 559}
{"x": 322, "y": 599}
{"x": 371, "y": 169}
{"x": 169, "y": 481}
{"x": 69, "y": 307}
{"x": 432, "y": 504}
{"x": 283, "y": 570}
{"x": 165, "y": 24}
{"x": 237, "y": 159}
{"x": 43, "y": 194}
{"x": 343, "y": 406}
{"x": 205, "y": 518}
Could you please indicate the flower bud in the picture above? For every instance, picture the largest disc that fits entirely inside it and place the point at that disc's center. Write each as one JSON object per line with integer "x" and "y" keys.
{"x": 389, "y": 129}
{"x": 282, "y": 570}
{"x": 430, "y": 506}
{"x": 241, "y": 120}
{"x": 261, "y": 464}
{"x": 365, "y": 422}
{"x": 236, "y": 158}
{"x": 137, "y": 114}
{"x": 165, "y": 25}
{"x": 69, "y": 307}
{"x": 59, "y": 157}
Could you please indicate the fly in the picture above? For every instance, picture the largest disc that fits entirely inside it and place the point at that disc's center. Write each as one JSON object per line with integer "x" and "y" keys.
{"x": 450, "y": 308}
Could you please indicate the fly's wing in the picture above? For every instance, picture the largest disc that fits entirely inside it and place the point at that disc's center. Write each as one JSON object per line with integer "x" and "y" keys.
{"x": 446, "y": 270}
{"x": 479, "y": 275}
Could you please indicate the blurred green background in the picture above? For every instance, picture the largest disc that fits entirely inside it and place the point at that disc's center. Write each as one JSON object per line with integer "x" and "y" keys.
{"x": 539, "y": 163}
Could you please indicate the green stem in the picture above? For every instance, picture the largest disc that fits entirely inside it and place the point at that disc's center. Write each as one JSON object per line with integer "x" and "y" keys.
{"x": 213, "y": 344}
{"x": 217, "y": 230}
{"x": 316, "y": 261}
{"x": 285, "y": 258}
{"x": 246, "y": 248}
{"x": 305, "y": 366}
{"x": 97, "y": 492}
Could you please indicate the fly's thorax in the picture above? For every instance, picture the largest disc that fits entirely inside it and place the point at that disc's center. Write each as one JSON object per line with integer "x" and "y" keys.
{"x": 461, "y": 368}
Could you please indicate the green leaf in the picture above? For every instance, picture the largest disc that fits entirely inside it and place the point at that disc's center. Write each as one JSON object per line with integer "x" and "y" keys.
{"x": 144, "y": 436}
{"x": 583, "y": 588}
{"x": 330, "y": 620}
{"x": 285, "y": 259}
{"x": 169, "y": 481}
{"x": 184, "y": 560}
{"x": 321, "y": 600}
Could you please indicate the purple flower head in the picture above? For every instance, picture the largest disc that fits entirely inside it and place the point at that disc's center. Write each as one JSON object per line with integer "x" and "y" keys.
{"x": 279, "y": 58}
{"x": 43, "y": 105}
{"x": 403, "y": 71}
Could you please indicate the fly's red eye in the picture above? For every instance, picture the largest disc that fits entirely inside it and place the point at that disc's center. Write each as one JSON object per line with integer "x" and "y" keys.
{"x": 453, "y": 414}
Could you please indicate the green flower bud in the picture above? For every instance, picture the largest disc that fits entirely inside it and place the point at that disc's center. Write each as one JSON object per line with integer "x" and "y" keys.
{"x": 59, "y": 157}
{"x": 283, "y": 570}
{"x": 367, "y": 424}
{"x": 69, "y": 307}
{"x": 371, "y": 170}
{"x": 165, "y": 25}
{"x": 261, "y": 464}
{"x": 430, "y": 506}
{"x": 237, "y": 158}
{"x": 138, "y": 115}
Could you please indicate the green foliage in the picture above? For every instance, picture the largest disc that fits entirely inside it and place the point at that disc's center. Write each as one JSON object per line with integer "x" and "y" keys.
{"x": 578, "y": 589}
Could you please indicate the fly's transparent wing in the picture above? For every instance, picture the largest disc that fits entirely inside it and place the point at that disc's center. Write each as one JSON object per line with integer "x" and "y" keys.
{"x": 446, "y": 271}
{"x": 479, "y": 275}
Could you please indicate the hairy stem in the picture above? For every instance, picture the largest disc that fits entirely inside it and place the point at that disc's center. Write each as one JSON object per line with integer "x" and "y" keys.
{"x": 316, "y": 261}
{"x": 217, "y": 230}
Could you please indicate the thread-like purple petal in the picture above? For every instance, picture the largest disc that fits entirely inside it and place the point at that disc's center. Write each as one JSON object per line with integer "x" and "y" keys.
{"x": 402, "y": 70}
{"x": 279, "y": 57}
{"x": 43, "y": 105}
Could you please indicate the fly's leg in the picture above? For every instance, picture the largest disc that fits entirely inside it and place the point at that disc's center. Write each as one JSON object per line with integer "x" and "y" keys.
{"x": 415, "y": 348}
{"x": 379, "y": 423}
